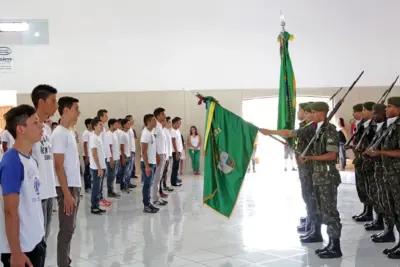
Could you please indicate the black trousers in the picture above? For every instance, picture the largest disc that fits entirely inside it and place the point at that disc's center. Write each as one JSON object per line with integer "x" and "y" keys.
{"x": 87, "y": 178}
{"x": 175, "y": 169}
{"x": 36, "y": 256}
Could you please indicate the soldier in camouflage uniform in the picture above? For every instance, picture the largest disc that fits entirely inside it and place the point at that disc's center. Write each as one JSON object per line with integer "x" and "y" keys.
{"x": 380, "y": 203}
{"x": 366, "y": 214}
{"x": 368, "y": 167}
{"x": 390, "y": 153}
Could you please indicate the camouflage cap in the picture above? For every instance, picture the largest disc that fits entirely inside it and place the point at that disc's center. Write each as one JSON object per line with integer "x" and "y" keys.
{"x": 303, "y": 105}
{"x": 394, "y": 100}
{"x": 358, "y": 108}
{"x": 379, "y": 108}
{"x": 368, "y": 105}
{"x": 319, "y": 106}
{"x": 307, "y": 108}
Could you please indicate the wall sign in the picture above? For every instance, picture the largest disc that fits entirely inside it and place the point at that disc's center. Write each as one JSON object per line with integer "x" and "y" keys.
{"x": 6, "y": 60}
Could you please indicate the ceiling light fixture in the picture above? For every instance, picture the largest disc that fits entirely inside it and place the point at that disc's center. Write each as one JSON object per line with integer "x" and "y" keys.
{"x": 14, "y": 27}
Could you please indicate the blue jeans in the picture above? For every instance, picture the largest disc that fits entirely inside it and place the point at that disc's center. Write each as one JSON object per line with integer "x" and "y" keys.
{"x": 147, "y": 182}
{"x": 124, "y": 174}
{"x": 97, "y": 188}
{"x": 86, "y": 176}
{"x": 111, "y": 175}
{"x": 133, "y": 166}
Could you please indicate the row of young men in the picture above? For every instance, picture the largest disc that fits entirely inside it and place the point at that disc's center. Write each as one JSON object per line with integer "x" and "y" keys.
{"x": 376, "y": 145}
{"x": 42, "y": 165}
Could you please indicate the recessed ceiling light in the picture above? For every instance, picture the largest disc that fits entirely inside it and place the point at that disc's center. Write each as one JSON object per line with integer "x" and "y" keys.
{"x": 14, "y": 27}
{"x": 37, "y": 34}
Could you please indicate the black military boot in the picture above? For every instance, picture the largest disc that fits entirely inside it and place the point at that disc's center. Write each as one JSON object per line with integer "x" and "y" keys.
{"x": 377, "y": 224}
{"x": 326, "y": 248}
{"x": 304, "y": 227}
{"x": 333, "y": 251}
{"x": 303, "y": 220}
{"x": 367, "y": 216}
{"x": 314, "y": 236}
{"x": 395, "y": 254}
{"x": 385, "y": 237}
{"x": 388, "y": 251}
{"x": 310, "y": 230}
{"x": 364, "y": 210}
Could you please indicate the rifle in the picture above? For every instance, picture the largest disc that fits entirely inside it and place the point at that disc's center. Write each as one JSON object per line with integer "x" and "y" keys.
{"x": 335, "y": 94}
{"x": 331, "y": 114}
{"x": 381, "y": 101}
{"x": 384, "y": 134}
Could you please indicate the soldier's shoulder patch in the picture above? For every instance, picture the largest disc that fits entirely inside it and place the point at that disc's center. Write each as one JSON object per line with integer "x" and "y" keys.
{"x": 330, "y": 140}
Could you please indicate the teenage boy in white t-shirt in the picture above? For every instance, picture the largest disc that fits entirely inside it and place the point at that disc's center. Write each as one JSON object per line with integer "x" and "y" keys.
{"x": 68, "y": 181}
{"x": 85, "y": 142}
{"x": 124, "y": 143}
{"x": 7, "y": 141}
{"x": 132, "y": 138}
{"x": 161, "y": 157}
{"x": 97, "y": 165}
{"x": 21, "y": 216}
{"x": 113, "y": 165}
{"x": 177, "y": 148}
{"x": 148, "y": 161}
{"x": 163, "y": 183}
{"x": 102, "y": 115}
{"x": 44, "y": 98}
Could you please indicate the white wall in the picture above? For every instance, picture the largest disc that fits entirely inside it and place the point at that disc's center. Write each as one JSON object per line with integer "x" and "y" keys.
{"x": 124, "y": 45}
{"x": 8, "y": 98}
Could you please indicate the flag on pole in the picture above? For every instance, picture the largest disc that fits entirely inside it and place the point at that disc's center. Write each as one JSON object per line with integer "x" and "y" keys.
{"x": 287, "y": 87}
{"x": 228, "y": 149}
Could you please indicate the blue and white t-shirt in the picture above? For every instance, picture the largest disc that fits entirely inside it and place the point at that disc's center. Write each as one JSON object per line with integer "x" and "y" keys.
{"x": 19, "y": 174}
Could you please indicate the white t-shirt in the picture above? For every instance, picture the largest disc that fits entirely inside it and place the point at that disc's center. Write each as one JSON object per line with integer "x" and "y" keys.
{"x": 64, "y": 142}
{"x": 132, "y": 140}
{"x": 106, "y": 145}
{"x": 178, "y": 140}
{"x": 42, "y": 152}
{"x": 169, "y": 141}
{"x": 116, "y": 149}
{"x": 85, "y": 138}
{"x": 97, "y": 143}
{"x": 19, "y": 174}
{"x": 7, "y": 137}
{"x": 161, "y": 139}
{"x": 149, "y": 139}
{"x": 124, "y": 139}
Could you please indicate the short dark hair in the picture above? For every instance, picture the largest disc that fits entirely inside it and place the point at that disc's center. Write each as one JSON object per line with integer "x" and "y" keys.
{"x": 124, "y": 122}
{"x": 17, "y": 116}
{"x": 54, "y": 124}
{"x": 158, "y": 111}
{"x": 341, "y": 122}
{"x": 111, "y": 122}
{"x": 195, "y": 130}
{"x": 168, "y": 119}
{"x": 175, "y": 120}
{"x": 128, "y": 117}
{"x": 88, "y": 121}
{"x": 95, "y": 122}
{"x": 42, "y": 91}
{"x": 66, "y": 102}
{"x": 101, "y": 112}
{"x": 147, "y": 118}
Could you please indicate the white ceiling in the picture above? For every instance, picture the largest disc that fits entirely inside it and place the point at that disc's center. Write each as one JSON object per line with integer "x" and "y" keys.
{"x": 103, "y": 45}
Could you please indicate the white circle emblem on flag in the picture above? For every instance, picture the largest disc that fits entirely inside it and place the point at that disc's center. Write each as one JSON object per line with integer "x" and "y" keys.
{"x": 226, "y": 163}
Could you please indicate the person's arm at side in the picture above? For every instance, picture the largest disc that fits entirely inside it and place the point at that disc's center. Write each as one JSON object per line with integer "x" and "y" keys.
{"x": 122, "y": 142}
{"x": 86, "y": 150}
{"x": 110, "y": 141}
{"x": 97, "y": 162}
{"x": 146, "y": 158}
{"x": 178, "y": 156}
{"x": 59, "y": 148}
{"x": 4, "y": 146}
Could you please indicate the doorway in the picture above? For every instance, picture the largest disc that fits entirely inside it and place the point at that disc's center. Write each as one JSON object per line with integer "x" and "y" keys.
{"x": 263, "y": 112}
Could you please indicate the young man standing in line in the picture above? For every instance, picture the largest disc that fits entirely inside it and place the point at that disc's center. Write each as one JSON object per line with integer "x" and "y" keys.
{"x": 124, "y": 174}
{"x": 148, "y": 161}
{"x": 68, "y": 182}
{"x": 163, "y": 183}
{"x": 177, "y": 148}
{"x": 112, "y": 167}
{"x": 132, "y": 138}
{"x": 21, "y": 216}
{"x": 85, "y": 141}
{"x": 102, "y": 115}
{"x": 161, "y": 156}
{"x": 97, "y": 165}
{"x": 44, "y": 98}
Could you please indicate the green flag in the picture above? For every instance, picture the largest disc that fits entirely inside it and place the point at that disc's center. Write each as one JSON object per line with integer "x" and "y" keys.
{"x": 228, "y": 148}
{"x": 287, "y": 87}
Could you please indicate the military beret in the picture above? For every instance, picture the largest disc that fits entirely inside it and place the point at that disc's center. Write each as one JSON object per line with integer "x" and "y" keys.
{"x": 379, "y": 108}
{"x": 303, "y": 105}
{"x": 368, "y": 105}
{"x": 394, "y": 100}
{"x": 319, "y": 106}
{"x": 358, "y": 108}
{"x": 307, "y": 108}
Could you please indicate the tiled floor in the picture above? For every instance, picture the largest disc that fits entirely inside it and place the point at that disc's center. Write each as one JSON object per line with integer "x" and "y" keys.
{"x": 185, "y": 233}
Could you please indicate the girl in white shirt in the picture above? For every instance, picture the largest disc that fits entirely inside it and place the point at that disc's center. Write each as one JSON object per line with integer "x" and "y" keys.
{"x": 194, "y": 144}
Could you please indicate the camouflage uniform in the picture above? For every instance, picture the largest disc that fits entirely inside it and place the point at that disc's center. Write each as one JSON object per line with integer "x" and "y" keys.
{"x": 326, "y": 179}
{"x": 361, "y": 185}
{"x": 391, "y": 168}
{"x": 303, "y": 138}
